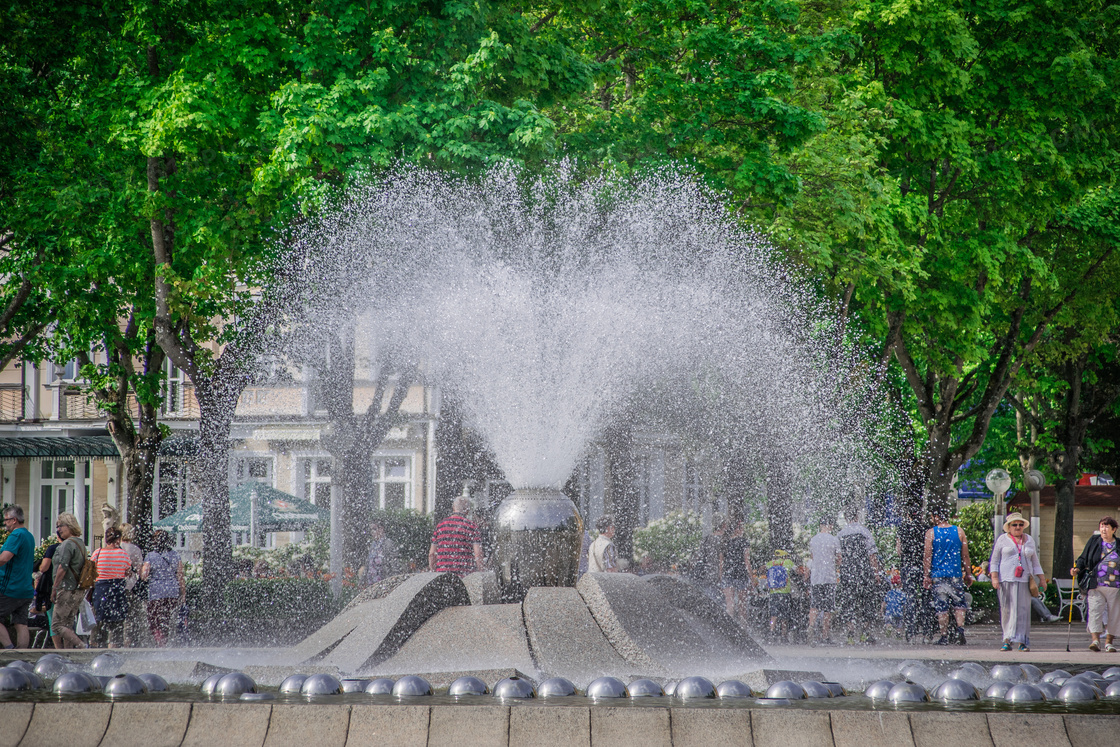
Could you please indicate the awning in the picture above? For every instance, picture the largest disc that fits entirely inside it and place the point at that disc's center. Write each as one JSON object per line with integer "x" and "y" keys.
{"x": 52, "y": 447}
{"x": 277, "y": 511}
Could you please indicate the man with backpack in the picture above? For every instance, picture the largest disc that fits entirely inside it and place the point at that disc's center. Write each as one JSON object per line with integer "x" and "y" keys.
{"x": 857, "y": 604}
{"x": 69, "y": 561}
{"x": 779, "y": 583}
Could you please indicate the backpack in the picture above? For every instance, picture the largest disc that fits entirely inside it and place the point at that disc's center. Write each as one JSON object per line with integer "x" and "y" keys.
{"x": 776, "y": 577}
{"x": 88, "y": 575}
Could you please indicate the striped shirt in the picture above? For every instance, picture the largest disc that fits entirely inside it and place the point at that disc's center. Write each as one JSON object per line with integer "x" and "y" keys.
{"x": 112, "y": 562}
{"x": 454, "y": 538}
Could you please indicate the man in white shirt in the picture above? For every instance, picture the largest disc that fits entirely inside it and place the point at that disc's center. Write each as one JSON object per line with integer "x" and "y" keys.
{"x": 823, "y": 579}
{"x": 601, "y": 557}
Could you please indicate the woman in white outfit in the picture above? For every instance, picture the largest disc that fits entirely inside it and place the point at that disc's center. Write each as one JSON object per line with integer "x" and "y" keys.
{"x": 1014, "y": 560}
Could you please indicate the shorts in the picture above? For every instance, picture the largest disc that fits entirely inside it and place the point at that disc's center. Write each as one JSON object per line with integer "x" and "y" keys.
{"x": 822, "y": 597}
{"x": 779, "y": 606}
{"x": 17, "y": 608}
{"x": 66, "y": 606}
{"x": 947, "y": 594}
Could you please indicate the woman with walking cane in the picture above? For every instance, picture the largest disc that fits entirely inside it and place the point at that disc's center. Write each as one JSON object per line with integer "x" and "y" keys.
{"x": 1098, "y": 575}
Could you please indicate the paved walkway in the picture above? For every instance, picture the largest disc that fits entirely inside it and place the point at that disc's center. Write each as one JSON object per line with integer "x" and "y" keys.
{"x": 1048, "y": 646}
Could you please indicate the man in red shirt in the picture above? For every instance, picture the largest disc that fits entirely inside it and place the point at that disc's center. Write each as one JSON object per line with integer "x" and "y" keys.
{"x": 456, "y": 545}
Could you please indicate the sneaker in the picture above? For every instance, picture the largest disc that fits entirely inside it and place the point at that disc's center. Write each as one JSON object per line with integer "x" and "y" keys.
{"x": 960, "y": 636}
{"x": 1094, "y": 646}
{"x": 1006, "y": 646}
{"x": 1053, "y": 619}
{"x": 942, "y": 641}
{"x": 1024, "y": 647}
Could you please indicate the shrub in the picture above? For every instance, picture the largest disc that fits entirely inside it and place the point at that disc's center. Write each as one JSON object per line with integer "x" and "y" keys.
{"x": 976, "y": 521}
{"x": 984, "y": 597}
{"x": 670, "y": 541}
{"x": 271, "y": 599}
{"x": 411, "y": 530}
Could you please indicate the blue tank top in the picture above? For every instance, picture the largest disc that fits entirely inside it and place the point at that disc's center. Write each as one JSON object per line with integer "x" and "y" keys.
{"x": 946, "y": 560}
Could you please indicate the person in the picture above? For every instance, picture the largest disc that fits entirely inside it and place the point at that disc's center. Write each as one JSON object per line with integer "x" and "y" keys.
{"x": 110, "y": 601}
{"x": 456, "y": 544}
{"x": 824, "y": 549}
{"x": 66, "y": 596}
{"x": 909, "y": 545}
{"x": 1097, "y": 571}
{"x": 735, "y": 572}
{"x": 17, "y": 565}
{"x": 705, "y": 569}
{"x": 167, "y": 585}
{"x": 45, "y": 585}
{"x": 893, "y": 605}
{"x": 381, "y": 561}
{"x": 779, "y": 584}
{"x": 859, "y": 566}
{"x": 945, "y": 571}
{"x": 136, "y": 591}
{"x": 1039, "y": 608}
{"x": 601, "y": 557}
{"x": 1014, "y": 560}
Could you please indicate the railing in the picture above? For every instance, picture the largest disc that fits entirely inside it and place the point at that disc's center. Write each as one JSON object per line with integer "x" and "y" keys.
{"x": 11, "y": 403}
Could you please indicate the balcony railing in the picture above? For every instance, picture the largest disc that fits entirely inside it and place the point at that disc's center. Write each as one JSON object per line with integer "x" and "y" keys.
{"x": 11, "y": 403}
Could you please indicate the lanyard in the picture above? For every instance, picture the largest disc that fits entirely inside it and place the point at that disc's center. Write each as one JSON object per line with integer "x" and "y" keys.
{"x": 1019, "y": 546}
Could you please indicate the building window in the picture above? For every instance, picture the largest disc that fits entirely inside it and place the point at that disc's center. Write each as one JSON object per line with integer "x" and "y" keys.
{"x": 392, "y": 478}
{"x": 174, "y": 383}
{"x": 316, "y": 480}
{"x": 693, "y": 486}
{"x": 254, "y": 469}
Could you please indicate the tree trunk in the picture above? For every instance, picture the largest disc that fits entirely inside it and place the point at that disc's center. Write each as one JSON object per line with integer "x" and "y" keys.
{"x": 622, "y": 495}
{"x": 212, "y": 478}
{"x": 779, "y": 505}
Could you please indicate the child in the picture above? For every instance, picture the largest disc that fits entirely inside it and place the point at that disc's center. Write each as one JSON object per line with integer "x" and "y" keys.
{"x": 779, "y": 584}
{"x": 893, "y": 604}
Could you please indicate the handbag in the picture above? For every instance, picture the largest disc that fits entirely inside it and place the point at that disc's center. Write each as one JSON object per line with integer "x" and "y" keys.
{"x": 1032, "y": 584}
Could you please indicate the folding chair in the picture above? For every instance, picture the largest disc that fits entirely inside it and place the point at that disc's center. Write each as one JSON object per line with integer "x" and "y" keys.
{"x": 1064, "y": 587}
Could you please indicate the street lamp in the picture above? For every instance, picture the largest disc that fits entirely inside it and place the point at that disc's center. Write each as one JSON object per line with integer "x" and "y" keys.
{"x": 998, "y": 481}
{"x": 1035, "y": 481}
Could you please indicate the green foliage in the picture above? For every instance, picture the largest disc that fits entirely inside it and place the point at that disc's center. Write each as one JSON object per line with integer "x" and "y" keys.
{"x": 42, "y": 548}
{"x": 271, "y": 599}
{"x": 976, "y": 521}
{"x": 984, "y": 597}
{"x": 671, "y": 541}
{"x": 411, "y": 530}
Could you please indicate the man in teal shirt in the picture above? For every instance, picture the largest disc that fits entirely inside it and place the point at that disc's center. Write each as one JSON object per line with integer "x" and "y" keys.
{"x": 17, "y": 559}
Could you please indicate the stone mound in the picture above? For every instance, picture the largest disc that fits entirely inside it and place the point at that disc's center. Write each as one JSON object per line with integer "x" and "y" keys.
{"x": 565, "y": 639}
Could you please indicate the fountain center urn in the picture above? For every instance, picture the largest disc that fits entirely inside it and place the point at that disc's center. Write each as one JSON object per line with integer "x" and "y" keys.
{"x": 539, "y": 534}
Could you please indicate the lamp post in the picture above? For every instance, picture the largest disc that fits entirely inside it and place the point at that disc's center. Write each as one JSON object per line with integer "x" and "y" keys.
{"x": 1035, "y": 481}
{"x": 998, "y": 481}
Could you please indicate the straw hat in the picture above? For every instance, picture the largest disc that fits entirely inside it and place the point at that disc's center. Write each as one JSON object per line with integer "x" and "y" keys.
{"x": 1014, "y": 517}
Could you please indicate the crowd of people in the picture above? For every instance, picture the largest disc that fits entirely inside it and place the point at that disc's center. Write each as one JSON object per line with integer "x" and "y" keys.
{"x": 117, "y": 596}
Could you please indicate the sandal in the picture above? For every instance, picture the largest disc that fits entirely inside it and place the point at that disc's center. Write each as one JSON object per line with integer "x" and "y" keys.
{"x": 1024, "y": 647}
{"x": 1094, "y": 646}
{"x": 1109, "y": 648}
{"x": 1006, "y": 646}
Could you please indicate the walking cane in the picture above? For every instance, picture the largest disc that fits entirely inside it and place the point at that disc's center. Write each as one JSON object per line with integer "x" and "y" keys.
{"x": 1069, "y": 630}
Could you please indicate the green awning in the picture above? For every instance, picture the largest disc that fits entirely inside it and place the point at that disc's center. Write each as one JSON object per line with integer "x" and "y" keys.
{"x": 277, "y": 511}
{"x": 57, "y": 447}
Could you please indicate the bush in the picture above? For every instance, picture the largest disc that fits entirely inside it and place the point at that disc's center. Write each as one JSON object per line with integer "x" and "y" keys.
{"x": 411, "y": 530}
{"x": 671, "y": 541}
{"x": 976, "y": 521}
{"x": 984, "y": 597}
{"x": 271, "y": 599}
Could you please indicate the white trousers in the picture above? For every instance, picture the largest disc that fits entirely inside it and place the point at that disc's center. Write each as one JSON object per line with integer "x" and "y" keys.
{"x": 1015, "y": 610}
{"x": 1104, "y": 610}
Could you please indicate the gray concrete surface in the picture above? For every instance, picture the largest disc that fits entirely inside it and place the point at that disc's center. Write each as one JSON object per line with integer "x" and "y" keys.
{"x": 258, "y": 725}
{"x": 482, "y": 587}
{"x": 472, "y": 726}
{"x": 386, "y": 623}
{"x": 652, "y": 634}
{"x": 239, "y": 724}
{"x": 535, "y": 726}
{"x": 566, "y": 640}
{"x": 135, "y": 724}
{"x": 623, "y": 727}
{"x": 704, "y": 614}
{"x": 464, "y": 639}
{"x": 308, "y": 726}
{"x": 15, "y": 717}
{"x": 400, "y": 726}
{"x": 711, "y": 727}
